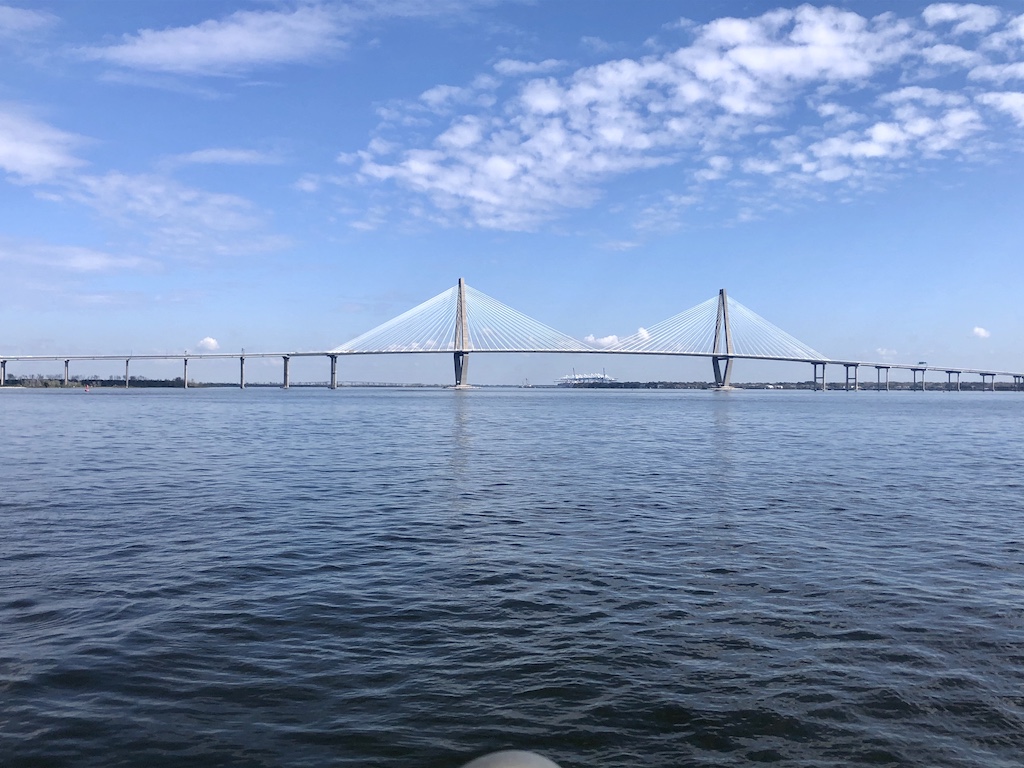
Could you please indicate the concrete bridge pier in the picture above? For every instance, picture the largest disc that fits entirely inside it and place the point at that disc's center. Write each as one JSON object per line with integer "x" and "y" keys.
{"x": 985, "y": 377}
{"x": 723, "y": 373}
{"x": 287, "y": 379}
{"x": 1018, "y": 380}
{"x": 819, "y": 379}
{"x": 67, "y": 365}
{"x": 334, "y": 371}
{"x": 854, "y": 366}
{"x": 461, "y": 369}
{"x": 241, "y": 372}
{"x": 184, "y": 375}
{"x": 127, "y": 360}
{"x": 915, "y": 371}
{"x": 3, "y": 372}
{"x": 878, "y": 377}
{"x": 949, "y": 380}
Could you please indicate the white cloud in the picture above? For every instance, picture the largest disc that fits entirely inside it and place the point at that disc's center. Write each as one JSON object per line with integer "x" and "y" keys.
{"x": 440, "y": 96}
{"x": 718, "y": 166}
{"x": 595, "y": 44}
{"x": 31, "y": 151}
{"x": 240, "y": 42}
{"x": 1008, "y": 38}
{"x": 67, "y": 258}
{"x": 643, "y": 333}
{"x": 931, "y": 97}
{"x": 1012, "y": 103}
{"x": 885, "y": 354}
{"x": 603, "y": 342}
{"x": 208, "y": 344}
{"x": 17, "y": 22}
{"x": 226, "y": 156}
{"x": 372, "y": 220}
{"x": 998, "y": 73}
{"x": 247, "y": 40}
{"x": 515, "y": 68}
{"x": 730, "y": 107}
{"x": 952, "y": 54}
{"x": 967, "y": 17}
{"x": 980, "y": 332}
{"x": 620, "y": 245}
{"x": 179, "y": 220}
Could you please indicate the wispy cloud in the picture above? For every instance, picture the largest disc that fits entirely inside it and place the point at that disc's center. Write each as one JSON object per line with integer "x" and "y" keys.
{"x": 68, "y": 258}
{"x": 229, "y": 46}
{"x": 227, "y": 156}
{"x": 621, "y": 245}
{"x": 32, "y": 151}
{"x": 299, "y": 33}
{"x": 15, "y": 23}
{"x": 177, "y": 219}
{"x": 980, "y": 332}
{"x": 515, "y": 68}
{"x": 803, "y": 100}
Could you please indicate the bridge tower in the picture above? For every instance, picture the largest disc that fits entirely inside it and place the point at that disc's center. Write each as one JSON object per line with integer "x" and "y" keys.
{"x": 461, "y": 338}
{"x": 722, "y": 348}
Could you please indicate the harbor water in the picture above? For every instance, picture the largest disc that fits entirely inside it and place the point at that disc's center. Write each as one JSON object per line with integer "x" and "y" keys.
{"x": 412, "y": 578}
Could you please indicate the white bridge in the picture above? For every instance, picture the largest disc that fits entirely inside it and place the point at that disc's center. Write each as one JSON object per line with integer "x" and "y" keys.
{"x": 462, "y": 321}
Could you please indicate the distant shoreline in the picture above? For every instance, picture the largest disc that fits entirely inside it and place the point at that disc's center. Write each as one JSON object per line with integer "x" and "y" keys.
{"x": 177, "y": 383}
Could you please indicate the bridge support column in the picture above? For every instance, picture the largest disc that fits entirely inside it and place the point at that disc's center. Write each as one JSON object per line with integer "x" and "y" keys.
{"x": 462, "y": 340}
{"x": 723, "y": 373}
{"x": 949, "y": 380}
{"x": 819, "y": 381}
{"x": 127, "y": 360}
{"x": 461, "y": 369}
{"x": 856, "y": 385}
{"x": 286, "y": 379}
{"x": 334, "y": 371}
{"x": 1017, "y": 379}
{"x": 915, "y": 371}
{"x": 241, "y": 372}
{"x": 985, "y": 379}
{"x": 878, "y": 376}
{"x": 67, "y": 364}
{"x": 184, "y": 375}
{"x": 3, "y": 372}
{"x": 722, "y": 346}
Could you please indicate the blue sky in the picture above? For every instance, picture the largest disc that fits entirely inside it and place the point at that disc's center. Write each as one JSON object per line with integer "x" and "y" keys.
{"x": 286, "y": 175}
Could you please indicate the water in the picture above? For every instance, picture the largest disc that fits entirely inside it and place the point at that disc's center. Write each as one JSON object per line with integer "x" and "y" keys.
{"x": 413, "y": 578}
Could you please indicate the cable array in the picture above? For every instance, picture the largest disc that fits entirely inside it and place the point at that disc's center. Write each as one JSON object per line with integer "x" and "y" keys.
{"x": 753, "y": 336}
{"x": 693, "y": 333}
{"x": 491, "y": 327}
{"x": 689, "y": 332}
{"x": 427, "y": 327}
{"x": 495, "y": 327}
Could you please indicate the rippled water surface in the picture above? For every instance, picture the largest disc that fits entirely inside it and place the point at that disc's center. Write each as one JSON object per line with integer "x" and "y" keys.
{"x": 415, "y": 577}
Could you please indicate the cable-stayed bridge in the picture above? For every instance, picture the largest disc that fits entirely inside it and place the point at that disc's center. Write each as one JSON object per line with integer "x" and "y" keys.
{"x": 463, "y": 321}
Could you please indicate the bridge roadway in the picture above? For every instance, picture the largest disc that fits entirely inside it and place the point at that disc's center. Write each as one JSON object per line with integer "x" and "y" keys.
{"x": 851, "y": 366}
